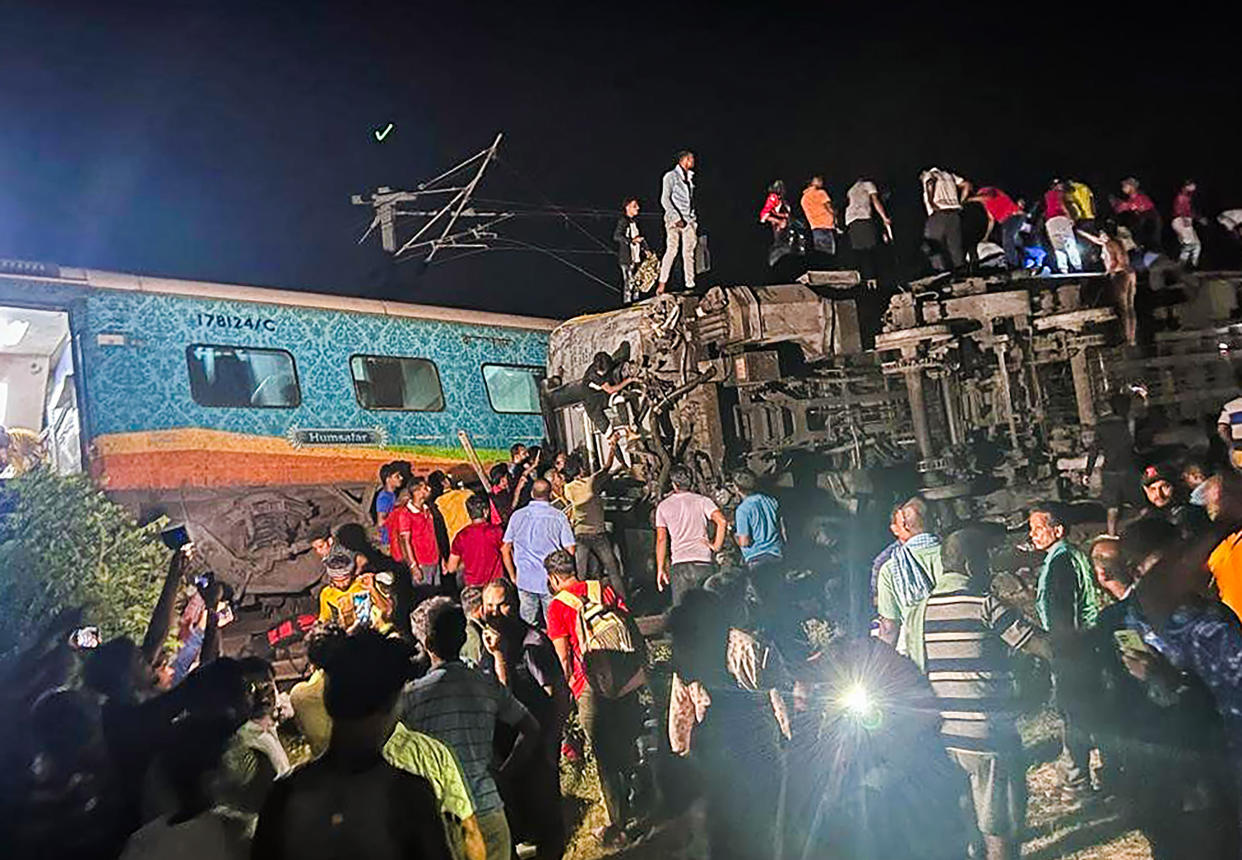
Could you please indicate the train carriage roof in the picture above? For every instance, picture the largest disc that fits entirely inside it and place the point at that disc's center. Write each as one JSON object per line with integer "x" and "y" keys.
{"x": 96, "y": 279}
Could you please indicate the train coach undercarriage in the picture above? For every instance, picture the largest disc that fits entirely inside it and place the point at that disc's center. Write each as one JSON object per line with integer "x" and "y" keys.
{"x": 982, "y": 392}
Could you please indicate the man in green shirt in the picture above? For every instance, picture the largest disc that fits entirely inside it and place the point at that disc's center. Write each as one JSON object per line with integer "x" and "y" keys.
{"x": 586, "y": 515}
{"x": 427, "y": 757}
{"x": 910, "y": 573}
{"x": 1066, "y": 601}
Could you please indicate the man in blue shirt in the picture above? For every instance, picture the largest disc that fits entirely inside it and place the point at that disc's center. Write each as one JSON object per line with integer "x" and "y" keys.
{"x": 680, "y": 219}
{"x": 535, "y": 532}
{"x": 391, "y": 480}
{"x": 760, "y": 533}
{"x": 758, "y": 526}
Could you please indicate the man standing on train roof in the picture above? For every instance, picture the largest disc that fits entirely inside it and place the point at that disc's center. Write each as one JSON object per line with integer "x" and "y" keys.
{"x": 943, "y": 193}
{"x": 680, "y": 219}
{"x": 1059, "y": 226}
{"x": 1136, "y": 211}
{"x": 817, "y": 207}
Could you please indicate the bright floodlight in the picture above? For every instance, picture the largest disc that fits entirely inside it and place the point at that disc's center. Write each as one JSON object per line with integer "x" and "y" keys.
{"x": 857, "y": 699}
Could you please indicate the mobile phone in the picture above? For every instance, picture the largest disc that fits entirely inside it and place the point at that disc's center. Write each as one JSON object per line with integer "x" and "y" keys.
{"x": 1129, "y": 640}
{"x": 85, "y": 637}
{"x": 362, "y": 608}
{"x": 224, "y": 615}
{"x": 175, "y": 537}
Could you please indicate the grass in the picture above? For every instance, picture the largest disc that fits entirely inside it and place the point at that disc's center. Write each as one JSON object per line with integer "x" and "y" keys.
{"x": 1054, "y": 829}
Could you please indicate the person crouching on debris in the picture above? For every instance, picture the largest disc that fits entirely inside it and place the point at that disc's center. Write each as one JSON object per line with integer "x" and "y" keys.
{"x": 1001, "y": 210}
{"x": 600, "y": 383}
{"x": 776, "y": 214}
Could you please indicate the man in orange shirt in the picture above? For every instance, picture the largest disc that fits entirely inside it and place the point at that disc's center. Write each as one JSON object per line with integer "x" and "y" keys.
{"x": 817, "y": 206}
{"x": 1225, "y": 562}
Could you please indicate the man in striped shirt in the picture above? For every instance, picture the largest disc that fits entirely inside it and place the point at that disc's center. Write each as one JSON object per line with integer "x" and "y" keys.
{"x": 962, "y": 638}
{"x": 460, "y": 708}
{"x": 1229, "y": 425}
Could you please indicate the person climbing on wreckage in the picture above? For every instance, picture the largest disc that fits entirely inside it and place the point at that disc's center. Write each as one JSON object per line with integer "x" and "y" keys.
{"x": 604, "y": 388}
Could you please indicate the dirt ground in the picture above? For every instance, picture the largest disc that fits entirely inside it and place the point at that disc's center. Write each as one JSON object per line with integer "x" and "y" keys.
{"x": 1096, "y": 832}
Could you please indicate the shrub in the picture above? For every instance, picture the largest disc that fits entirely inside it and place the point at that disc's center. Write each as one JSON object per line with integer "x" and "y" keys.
{"x": 64, "y": 543}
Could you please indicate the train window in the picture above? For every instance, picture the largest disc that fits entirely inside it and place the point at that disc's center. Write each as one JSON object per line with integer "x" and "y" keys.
{"x": 387, "y": 382}
{"x": 242, "y": 376}
{"x": 512, "y": 387}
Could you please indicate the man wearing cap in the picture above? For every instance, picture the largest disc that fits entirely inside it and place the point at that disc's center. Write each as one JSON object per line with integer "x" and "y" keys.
{"x": 1166, "y": 500}
{"x": 349, "y": 599}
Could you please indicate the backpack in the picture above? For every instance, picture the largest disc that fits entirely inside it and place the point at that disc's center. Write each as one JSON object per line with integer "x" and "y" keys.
{"x": 614, "y": 653}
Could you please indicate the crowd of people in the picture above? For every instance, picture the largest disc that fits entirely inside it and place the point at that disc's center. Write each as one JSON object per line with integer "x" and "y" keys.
{"x": 968, "y": 228}
{"x": 475, "y": 618}
{"x": 456, "y": 633}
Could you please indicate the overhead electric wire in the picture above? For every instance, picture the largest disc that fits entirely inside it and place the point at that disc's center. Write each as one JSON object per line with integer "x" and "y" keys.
{"x": 527, "y": 246}
{"x": 476, "y": 240}
{"x": 504, "y": 163}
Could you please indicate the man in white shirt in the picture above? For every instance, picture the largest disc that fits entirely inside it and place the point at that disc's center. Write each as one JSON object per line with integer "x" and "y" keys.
{"x": 682, "y": 535}
{"x": 943, "y": 193}
{"x": 863, "y": 204}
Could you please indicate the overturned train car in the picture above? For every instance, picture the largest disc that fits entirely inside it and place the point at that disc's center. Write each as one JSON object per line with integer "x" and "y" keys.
{"x": 980, "y": 392}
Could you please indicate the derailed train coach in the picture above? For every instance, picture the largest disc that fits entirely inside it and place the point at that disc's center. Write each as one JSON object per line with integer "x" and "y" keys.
{"x": 981, "y": 393}
{"x": 255, "y": 416}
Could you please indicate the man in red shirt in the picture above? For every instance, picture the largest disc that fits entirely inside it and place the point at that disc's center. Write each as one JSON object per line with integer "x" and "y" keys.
{"x": 1009, "y": 215}
{"x": 1060, "y": 229}
{"x": 1184, "y": 218}
{"x": 412, "y": 531}
{"x": 476, "y": 548}
{"x": 502, "y": 493}
{"x": 1137, "y": 213}
{"x": 613, "y": 725}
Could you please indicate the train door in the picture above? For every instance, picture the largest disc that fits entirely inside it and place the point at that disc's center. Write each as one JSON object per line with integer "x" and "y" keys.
{"x": 38, "y": 393}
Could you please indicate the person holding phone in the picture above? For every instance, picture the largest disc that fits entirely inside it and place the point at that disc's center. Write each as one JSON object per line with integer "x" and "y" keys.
{"x": 350, "y": 600}
{"x": 1158, "y": 732}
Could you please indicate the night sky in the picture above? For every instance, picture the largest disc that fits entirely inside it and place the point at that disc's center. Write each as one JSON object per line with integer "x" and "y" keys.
{"x": 221, "y": 142}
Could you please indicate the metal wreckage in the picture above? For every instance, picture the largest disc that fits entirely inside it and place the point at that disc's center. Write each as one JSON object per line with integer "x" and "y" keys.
{"x": 981, "y": 392}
